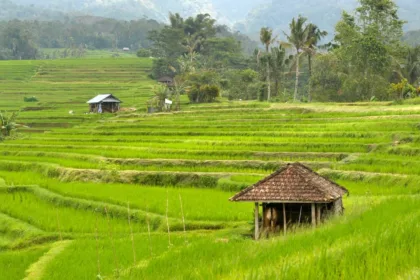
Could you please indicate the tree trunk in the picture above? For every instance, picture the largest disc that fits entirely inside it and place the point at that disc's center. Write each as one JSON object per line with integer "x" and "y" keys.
{"x": 310, "y": 76}
{"x": 268, "y": 81}
{"x": 276, "y": 86}
{"x": 295, "y": 97}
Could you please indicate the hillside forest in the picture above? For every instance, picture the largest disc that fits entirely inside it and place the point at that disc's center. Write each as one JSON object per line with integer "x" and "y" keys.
{"x": 368, "y": 58}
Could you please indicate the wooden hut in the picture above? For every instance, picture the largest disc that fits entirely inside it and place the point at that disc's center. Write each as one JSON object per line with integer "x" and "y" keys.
{"x": 292, "y": 195}
{"x": 104, "y": 103}
{"x": 166, "y": 80}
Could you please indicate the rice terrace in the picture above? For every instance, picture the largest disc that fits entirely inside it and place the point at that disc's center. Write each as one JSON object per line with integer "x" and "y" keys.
{"x": 84, "y": 195}
{"x": 181, "y": 139}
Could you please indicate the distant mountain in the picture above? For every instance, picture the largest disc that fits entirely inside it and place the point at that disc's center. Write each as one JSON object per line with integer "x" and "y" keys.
{"x": 247, "y": 16}
{"x": 12, "y": 10}
{"x": 324, "y": 13}
{"x": 226, "y": 12}
{"x": 412, "y": 37}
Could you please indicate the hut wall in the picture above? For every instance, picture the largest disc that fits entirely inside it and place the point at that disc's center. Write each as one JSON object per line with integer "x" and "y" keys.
{"x": 337, "y": 207}
{"x": 110, "y": 107}
{"x": 106, "y": 107}
{"x": 296, "y": 213}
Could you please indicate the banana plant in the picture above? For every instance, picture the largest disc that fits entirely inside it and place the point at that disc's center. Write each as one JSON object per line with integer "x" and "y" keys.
{"x": 7, "y": 123}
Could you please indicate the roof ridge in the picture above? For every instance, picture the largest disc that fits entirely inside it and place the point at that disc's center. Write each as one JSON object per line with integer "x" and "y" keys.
{"x": 332, "y": 182}
{"x": 320, "y": 176}
{"x": 315, "y": 186}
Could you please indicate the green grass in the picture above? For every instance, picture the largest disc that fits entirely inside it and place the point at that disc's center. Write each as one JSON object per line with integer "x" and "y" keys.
{"x": 13, "y": 264}
{"x": 60, "y": 172}
{"x": 375, "y": 244}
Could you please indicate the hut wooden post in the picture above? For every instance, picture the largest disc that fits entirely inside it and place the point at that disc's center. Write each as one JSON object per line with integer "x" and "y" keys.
{"x": 313, "y": 215}
{"x": 318, "y": 214}
{"x": 284, "y": 219}
{"x": 256, "y": 213}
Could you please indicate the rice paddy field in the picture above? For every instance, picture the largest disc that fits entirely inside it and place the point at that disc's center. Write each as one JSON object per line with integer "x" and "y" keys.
{"x": 86, "y": 196}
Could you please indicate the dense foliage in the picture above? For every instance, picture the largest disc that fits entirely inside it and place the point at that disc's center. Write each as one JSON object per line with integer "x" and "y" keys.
{"x": 24, "y": 39}
{"x": 366, "y": 55}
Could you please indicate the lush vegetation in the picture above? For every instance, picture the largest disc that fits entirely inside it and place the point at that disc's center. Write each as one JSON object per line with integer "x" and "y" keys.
{"x": 86, "y": 195}
{"x": 366, "y": 59}
{"x": 135, "y": 195}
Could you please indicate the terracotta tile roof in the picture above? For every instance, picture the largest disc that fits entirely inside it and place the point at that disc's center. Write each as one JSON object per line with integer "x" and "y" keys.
{"x": 295, "y": 183}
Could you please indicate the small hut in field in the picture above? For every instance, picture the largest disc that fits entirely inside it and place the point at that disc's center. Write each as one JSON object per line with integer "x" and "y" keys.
{"x": 292, "y": 195}
{"x": 104, "y": 103}
{"x": 166, "y": 80}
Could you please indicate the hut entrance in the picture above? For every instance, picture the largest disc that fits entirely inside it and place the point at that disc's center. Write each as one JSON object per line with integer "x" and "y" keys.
{"x": 278, "y": 217}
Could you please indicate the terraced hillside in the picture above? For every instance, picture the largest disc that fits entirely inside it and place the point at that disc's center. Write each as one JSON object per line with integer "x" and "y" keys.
{"x": 86, "y": 195}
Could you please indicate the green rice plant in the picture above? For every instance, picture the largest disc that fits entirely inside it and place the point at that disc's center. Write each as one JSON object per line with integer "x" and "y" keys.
{"x": 30, "y": 209}
{"x": 17, "y": 234}
{"x": 64, "y": 170}
{"x": 217, "y": 208}
{"x": 13, "y": 264}
{"x": 65, "y": 266}
{"x": 359, "y": 245}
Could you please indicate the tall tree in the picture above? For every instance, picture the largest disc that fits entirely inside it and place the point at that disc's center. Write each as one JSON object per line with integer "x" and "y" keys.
{"x": 368, "y": 44}
{"x": 266, "y": 37}
{"x": 278, "y": 63}
{"x": 313, "y": 37}
{"x": 176, "y": 20}
{"x": 412, "y": 65}
{"x": 298, "y": 38}
{"x": 19, "y": 40}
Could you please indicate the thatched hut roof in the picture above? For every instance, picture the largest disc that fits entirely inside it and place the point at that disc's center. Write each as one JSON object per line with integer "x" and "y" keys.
{"x": 292, "y": 183}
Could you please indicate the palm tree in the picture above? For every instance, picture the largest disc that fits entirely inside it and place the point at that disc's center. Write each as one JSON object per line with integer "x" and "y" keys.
{"x": 314, "y": 35}
{"x": 298, "y": 38}
{"x": 412, "y": 65}
{"x": 409, "y": 69}
{"x": 176, "y": 20}
{"x": 266, "y": 37}
{"x": 279, "y": 62}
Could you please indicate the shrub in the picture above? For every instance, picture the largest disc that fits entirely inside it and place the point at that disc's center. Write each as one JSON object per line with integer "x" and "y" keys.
{"x": 30, "y": 99}
{"x": 144, "y": 53}
{"x": 7, "y": 124}
{"x": 402, "y": 90}
{"x": 205, "y": 93}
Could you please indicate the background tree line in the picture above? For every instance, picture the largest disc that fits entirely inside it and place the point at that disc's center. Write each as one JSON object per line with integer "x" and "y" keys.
{"x": 25, "y": 39}
{"x": 366, "y": 60}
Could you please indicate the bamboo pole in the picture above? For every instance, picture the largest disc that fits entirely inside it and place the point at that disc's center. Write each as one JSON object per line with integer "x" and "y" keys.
{"x": 97, "y": 245}
{"x": 148, "y": 230}
{"x": 131, "y": 233}
{"x": 318, "y": 214}
{"x": 114, "y": 251}
{"x": 284, "y": 219}
{"x": 313, "y": 215}
{"x": 256, "y": 217}
{"x": 300, "y": 215}
{"x": 183, "y": 218}
{"x": 167, "y": 219}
